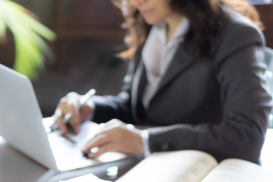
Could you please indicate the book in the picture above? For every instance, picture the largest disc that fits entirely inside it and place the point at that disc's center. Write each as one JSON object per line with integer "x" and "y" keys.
{"x": 194, "y": 166}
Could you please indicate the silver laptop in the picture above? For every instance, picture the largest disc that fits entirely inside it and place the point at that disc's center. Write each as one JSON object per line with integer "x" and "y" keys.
{"x": 22, "y": 127}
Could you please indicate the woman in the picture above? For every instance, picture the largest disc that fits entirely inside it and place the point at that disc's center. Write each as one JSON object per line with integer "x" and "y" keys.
{"x": 199, "y": 76}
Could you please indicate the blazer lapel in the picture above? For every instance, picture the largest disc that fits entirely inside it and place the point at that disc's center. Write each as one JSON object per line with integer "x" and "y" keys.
{"x": 180, "y": 62}
{"x": 138, "y": 86}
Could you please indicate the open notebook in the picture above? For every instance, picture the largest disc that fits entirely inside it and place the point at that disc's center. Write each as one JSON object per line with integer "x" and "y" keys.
{"x": 194, "y": 166}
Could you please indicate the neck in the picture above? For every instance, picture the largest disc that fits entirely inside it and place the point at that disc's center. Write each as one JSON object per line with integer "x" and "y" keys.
{"x": 172, "y": 23}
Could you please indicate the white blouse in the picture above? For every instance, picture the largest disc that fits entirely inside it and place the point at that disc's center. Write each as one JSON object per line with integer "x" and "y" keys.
{"x": 157, "y": 54}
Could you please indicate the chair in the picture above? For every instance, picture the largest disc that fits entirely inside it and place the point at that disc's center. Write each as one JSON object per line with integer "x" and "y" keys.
{"x": 268, "y": 55}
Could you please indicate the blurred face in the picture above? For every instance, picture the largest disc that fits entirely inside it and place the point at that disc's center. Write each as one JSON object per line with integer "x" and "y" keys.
{"x": 153, "y": 11}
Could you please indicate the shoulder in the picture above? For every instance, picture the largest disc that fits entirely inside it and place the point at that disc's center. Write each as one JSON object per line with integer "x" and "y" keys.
{"x": 236, "y": 25}
{"x": 236, "y": 33}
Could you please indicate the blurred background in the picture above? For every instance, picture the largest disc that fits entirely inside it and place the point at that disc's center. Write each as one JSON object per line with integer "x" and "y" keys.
{"x": 89, "y": 34}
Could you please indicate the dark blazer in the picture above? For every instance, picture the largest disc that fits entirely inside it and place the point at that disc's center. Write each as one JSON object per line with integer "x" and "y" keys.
{"x": 220, "y": 106}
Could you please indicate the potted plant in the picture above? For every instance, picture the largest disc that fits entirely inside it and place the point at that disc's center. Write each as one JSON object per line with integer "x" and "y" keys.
{"x": 28, "y": 33}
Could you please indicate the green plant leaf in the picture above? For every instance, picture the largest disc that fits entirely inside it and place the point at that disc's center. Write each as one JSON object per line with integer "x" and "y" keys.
{"x": 30, "y": 22}
{"x": 3, "y": 26}
{"x": 28, "y": 32}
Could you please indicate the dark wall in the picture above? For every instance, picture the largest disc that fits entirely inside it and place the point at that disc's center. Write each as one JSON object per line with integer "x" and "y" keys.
{"x": 42, "y": 8}
{"x": 91, "y": 14}
{"x": 73, "y": 14}
{"x": 266, "y": 15}
{"x": 94, "y": 19}
{"x": 99, "y": 18}
{"x": 87, "y": 19}
{"x": 71, "y": 19}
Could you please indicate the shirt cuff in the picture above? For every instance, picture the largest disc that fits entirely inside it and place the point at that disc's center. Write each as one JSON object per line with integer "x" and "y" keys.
{"x": 145, "y": 141}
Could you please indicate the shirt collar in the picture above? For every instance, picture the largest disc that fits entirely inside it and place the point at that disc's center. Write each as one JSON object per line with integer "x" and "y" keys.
{"x": 160, "y": 29}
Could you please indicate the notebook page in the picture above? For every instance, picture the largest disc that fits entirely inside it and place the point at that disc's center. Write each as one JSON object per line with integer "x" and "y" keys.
{"x": 267, "y": 151}
{"x": 236, "y": 170}
{"x": 179, "y": 166}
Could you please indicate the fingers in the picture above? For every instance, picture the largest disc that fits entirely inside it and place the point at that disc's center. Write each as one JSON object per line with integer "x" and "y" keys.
{"x": 75, "y": 120}
{"x": 61, "y": 124}
{"x": 87, "y": 111}
{"x": 115, "y": 136}
{"x": 71, "y": 105}
{"x": 114, "y": 123}
{"x": 104, "y": 144}
{"x": 97, "y": 141}
{"x": 58, "y": 117}
{"x": 68, "y": 104}
{"x": 105, "y": 148}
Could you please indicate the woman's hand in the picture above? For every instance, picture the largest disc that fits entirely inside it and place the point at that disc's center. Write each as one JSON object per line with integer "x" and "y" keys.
{"x": 70, "y": 104}
{"x": 115, "y": 136}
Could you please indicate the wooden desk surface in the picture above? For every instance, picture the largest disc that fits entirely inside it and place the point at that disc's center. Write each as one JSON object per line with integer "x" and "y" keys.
{"x": 16, "y": 167}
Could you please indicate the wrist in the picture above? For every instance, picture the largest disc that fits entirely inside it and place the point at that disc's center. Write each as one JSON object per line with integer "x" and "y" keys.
{"x": 140, "y": 148}
{"x": 89, "y": 110}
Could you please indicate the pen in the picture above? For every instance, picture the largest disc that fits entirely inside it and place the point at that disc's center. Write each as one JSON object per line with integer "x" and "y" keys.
{"x": 82, "y": 102}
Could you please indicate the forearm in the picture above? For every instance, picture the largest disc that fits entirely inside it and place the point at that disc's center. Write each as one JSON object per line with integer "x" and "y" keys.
{"x": 110, "y": 107}
{"x": 228, "y": 139}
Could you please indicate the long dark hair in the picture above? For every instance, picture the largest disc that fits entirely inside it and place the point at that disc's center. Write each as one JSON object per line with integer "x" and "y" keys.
{"x": 205, "y": 18}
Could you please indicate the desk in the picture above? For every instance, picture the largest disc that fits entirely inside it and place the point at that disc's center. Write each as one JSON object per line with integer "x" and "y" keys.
{"x": 267, "y": 152}
{"x": 16, "y": 167}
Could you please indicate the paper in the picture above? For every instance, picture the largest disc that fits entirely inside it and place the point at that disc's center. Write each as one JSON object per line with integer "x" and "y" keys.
{"x": 237, "y": 170}
{"x": 88, "y": 131}
{"x": 180, "y": 166}
{"x": 267, "y": 152}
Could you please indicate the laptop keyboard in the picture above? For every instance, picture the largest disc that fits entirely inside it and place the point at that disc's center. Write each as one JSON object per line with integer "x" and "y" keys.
{"x": 66, "y": 153}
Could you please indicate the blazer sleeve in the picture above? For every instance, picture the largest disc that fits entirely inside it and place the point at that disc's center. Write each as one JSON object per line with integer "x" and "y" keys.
{"x": 245, "y": 101}
{"x": 119, "y": 107}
